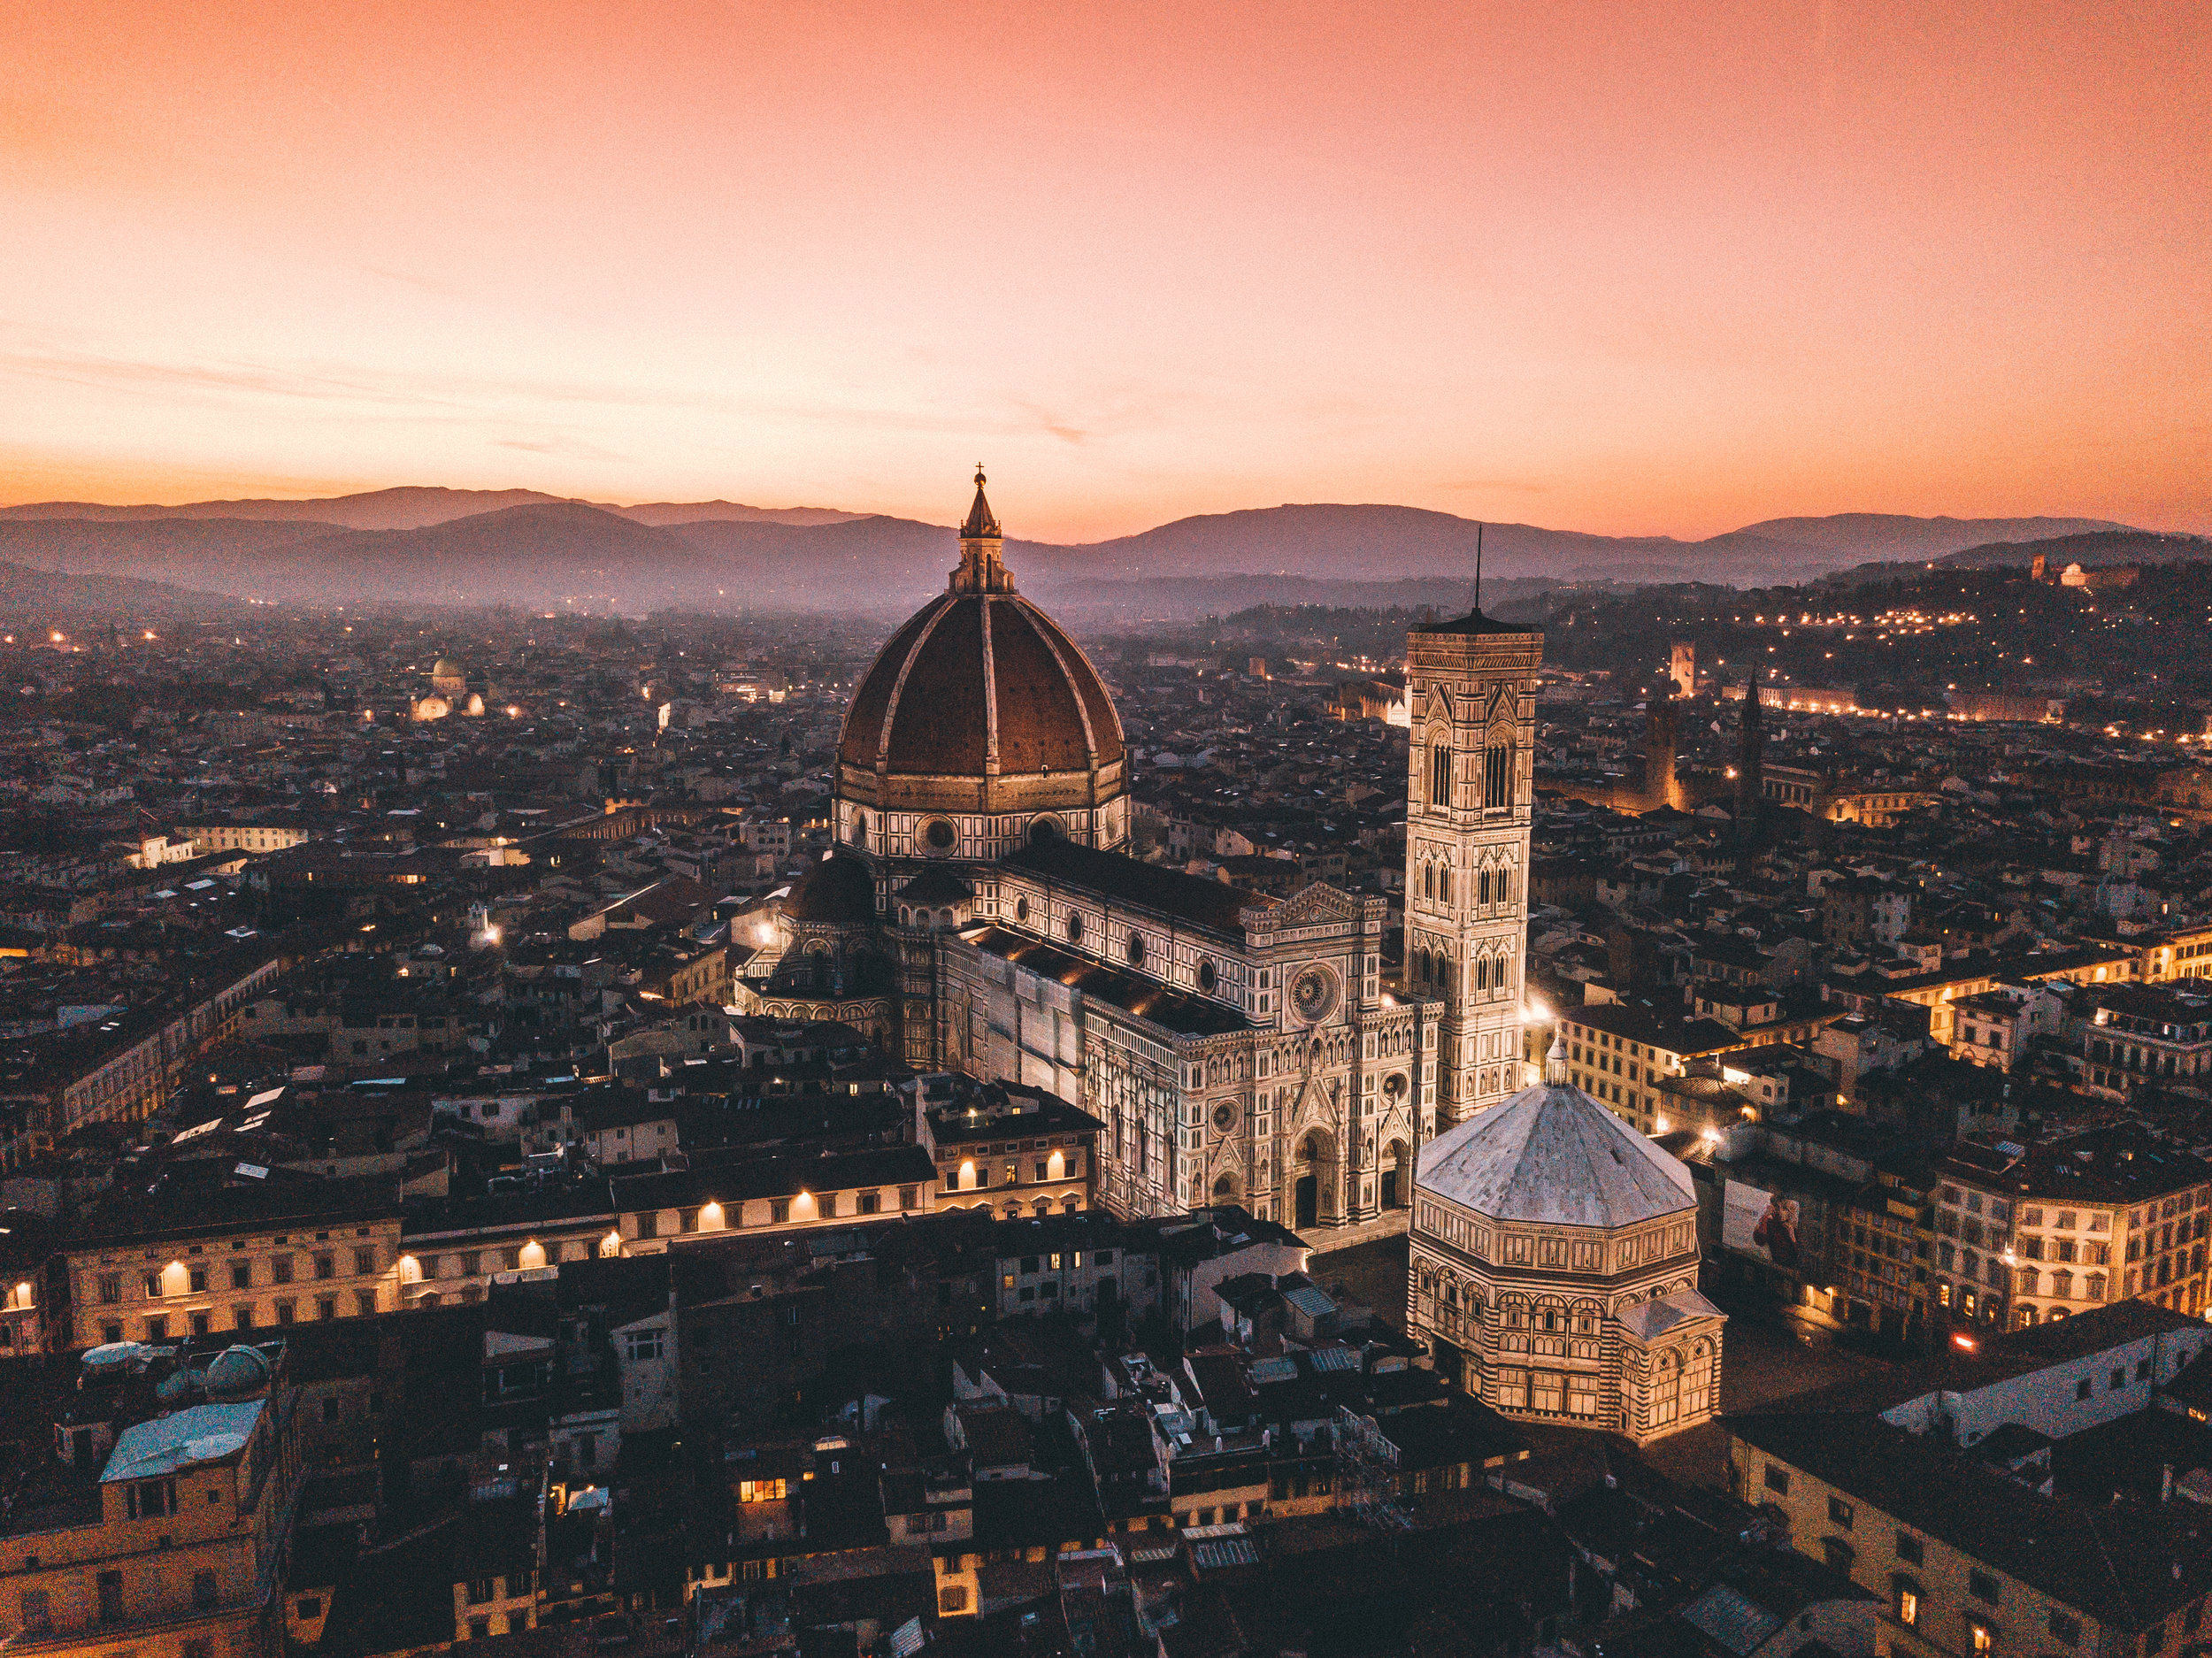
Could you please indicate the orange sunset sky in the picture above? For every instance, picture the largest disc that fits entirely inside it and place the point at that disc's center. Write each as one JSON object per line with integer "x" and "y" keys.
{"x": 1623, "y": 267}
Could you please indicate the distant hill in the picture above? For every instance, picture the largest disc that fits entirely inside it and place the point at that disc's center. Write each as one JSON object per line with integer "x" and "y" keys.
{"x": 658, "y": 512}
{"x": 1387, "y": 544}
{"x": 35, "y": 596}
{"x": 442, "y": 545}
{"x": 2090, "y": 551}
{"x": 1876, "y": 535}
{"x": 416, "y": 507}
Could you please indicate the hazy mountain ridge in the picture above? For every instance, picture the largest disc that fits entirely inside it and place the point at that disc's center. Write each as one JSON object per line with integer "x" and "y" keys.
{"x": 421, "y": 506}
{"x": 543, "y": 551}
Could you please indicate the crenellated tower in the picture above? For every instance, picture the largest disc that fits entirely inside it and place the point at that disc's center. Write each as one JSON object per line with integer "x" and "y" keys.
{"x": 1471, "y": 694}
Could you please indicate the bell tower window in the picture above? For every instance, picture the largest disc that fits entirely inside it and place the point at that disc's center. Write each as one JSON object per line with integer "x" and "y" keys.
{"x": 1497, "y": 776}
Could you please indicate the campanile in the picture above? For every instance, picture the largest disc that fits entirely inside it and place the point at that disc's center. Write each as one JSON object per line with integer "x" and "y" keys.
{"x": 1471, "y": 694}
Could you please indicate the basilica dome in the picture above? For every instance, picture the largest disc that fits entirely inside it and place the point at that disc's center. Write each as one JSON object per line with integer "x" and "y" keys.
{"x": 980, "y": 726}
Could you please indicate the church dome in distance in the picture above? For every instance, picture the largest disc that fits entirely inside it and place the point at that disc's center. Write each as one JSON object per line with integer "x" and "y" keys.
{"x": 1553, "y": 1156}
{"x": 446, "y": 668}
{"x": 981, "y": 704}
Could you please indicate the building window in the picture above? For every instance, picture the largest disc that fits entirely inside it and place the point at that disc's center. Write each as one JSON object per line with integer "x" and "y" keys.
{"x": 242, "y": 1275}
{"x": 206, "y": 1590}
{"x": 1909, "y": 1548}
{"x": 1439, "y": 774}
{"x": 111, "y": 1597}
{"x": 480, "y": 1590}
{"x": 1497, "y": 779}
{"x": 1908, "y": 1595}
{"x": 1840, "y": 1513}
{"x": 642, "y": 1347}
{"x": 952, "y": 1598}
{"x": 1982, "y": 1586}
{"x": 2065, "y": 1628}
{"x": 151, "y": 1500}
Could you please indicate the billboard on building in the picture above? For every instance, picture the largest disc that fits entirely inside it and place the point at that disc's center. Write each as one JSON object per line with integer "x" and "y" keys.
{"x": 1762, "y": 1225}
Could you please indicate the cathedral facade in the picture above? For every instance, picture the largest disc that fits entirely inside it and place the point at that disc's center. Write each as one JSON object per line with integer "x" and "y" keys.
{"x": 981, "y": 913}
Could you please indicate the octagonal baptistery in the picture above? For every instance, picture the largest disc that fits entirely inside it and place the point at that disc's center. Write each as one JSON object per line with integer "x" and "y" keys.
{"x": 1554, "y": 1268}
{"x": 981, "y": 727}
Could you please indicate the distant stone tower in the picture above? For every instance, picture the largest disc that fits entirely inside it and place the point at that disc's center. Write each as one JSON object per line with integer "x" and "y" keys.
{"x": 1661, "y": 728}
{"x": 2040, "y": 571}
{"x": 1682, "y": 667}
{"x": 1751, "y": 757}
{"x": 1471, "y": 698}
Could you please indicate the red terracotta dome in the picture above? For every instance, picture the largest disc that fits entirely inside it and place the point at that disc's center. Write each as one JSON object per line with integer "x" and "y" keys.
{"x": 981, "y": 704}
{"x": 980, "y": 683}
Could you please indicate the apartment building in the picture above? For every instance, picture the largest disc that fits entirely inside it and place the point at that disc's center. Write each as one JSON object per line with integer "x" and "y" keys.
{"x": 1020, "y": 1151}
{"x": 2137, "y": 1036}
{"x": 239, "y": 1249}
{"x": 1932, "y": 1493}
{"x": 2026, "y": 1234}
{"x": 155, "y": 1516}
{"x": 1619, "y": 1052}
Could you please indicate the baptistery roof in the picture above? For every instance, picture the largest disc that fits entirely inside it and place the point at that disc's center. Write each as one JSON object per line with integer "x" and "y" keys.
{"x": 1553, "y": 1155}
{"x": 980, "y": 683}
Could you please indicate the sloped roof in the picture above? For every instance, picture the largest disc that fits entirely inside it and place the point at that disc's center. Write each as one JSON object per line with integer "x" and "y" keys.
{"x": 1647, "y": 1321}
{"x": 1553, "y": 1154}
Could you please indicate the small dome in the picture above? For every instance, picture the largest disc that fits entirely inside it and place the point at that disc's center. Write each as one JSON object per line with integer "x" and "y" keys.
{"x": 446, "y": 668}
{"x": 837, "y": 889}
{"x": 236, "y": 1373}
{"x": 1553, "y": 1155}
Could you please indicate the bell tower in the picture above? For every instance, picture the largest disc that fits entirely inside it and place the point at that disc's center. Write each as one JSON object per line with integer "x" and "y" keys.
{"x": 1471, "y": 694}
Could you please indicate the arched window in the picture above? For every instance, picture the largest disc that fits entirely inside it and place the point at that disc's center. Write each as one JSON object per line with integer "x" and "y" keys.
{"x": 1697, "y": 1381}
{"x": 1666, "y": 1388}
{"x": 1428, "y": 880}
{"x": 1439, "y": 774}
{"x": 1497, "y": 773}
{"x": 1444, "y": 883}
